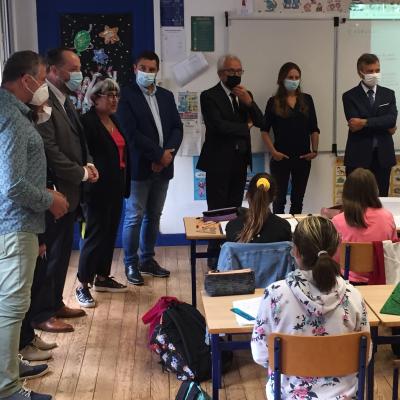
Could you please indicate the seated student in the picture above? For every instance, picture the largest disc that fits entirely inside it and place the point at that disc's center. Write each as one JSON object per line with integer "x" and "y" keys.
{"x": 363, "y": 218}
{"x": 258, "y": 224}
{"x": 313, "y": 300}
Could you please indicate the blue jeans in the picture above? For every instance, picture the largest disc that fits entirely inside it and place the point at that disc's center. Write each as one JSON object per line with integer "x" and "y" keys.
{"x": 143, "y": 210}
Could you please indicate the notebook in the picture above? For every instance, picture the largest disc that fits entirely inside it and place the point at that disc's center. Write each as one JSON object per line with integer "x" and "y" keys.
{"x": 249, "y": 306}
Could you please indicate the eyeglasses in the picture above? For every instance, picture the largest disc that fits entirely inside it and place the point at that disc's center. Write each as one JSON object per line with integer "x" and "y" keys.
{"x": 111, "y": 96}
{"x": 231, "y": 71}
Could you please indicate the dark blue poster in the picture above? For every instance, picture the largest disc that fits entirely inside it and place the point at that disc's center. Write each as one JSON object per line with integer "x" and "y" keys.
{"x": 171, "y": 13}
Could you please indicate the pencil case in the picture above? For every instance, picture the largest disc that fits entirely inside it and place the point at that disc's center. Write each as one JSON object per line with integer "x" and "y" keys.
{"x": 228, "y": 283}
{"x": 222, "y": 214}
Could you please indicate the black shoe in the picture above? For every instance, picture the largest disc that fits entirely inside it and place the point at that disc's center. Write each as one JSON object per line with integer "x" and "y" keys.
{"x": 151, "y": 267}
{"x": 26, "y": 394}
{"x": 84, "y": 298}
{"x": 109, "y": 285}
{"x": 27, "y": 371}
{"x": 133, "y": 275}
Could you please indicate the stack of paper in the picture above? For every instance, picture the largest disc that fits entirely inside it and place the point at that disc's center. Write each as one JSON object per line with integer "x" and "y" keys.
{"x": 249, "y": 306}
{"x": 293, "y": 223}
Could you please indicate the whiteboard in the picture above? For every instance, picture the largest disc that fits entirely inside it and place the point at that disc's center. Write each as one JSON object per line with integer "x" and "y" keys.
{"x": 265, "y": 45}
{"x": 355, "y": 38}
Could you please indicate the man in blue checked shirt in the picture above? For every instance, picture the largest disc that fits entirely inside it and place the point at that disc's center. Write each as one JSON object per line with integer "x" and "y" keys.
{"x": 23, "y": 200}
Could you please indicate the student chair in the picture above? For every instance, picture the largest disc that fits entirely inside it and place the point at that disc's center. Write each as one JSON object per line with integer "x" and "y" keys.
{"x": 356, "y": 257}
{"x": 319, "y": 356}
{"x": 396, "y": 366}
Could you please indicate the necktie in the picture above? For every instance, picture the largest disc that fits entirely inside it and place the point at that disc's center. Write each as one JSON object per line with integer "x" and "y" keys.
{"x": 371, "y": 98}
{"x": 234, "y": 103}
{"x": 73, "y": 117}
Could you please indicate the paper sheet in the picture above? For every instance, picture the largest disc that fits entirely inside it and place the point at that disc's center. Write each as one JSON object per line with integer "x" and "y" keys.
{"x": 192, "y": 137}
{"x": 397, "y": 221}
{"x": 249, "y": 306}
{"x": 173, "y": 44}
{"x": 293, "y": 223}
{"x": 189, "y": 69}
{"x": 223, "y": 226}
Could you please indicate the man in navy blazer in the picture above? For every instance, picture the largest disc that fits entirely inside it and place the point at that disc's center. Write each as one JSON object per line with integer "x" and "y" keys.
{"x": 151, "y": 121}
{"x": 371, "y": 114}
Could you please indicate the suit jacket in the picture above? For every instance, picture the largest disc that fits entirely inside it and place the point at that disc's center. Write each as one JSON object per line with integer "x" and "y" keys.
{"x": 63, "y": 151}
{"x": 381, "y": 116}
{"x": 138, "y": 124}
{"x": 225, "y": 129}
{"x": 106, "y": 159}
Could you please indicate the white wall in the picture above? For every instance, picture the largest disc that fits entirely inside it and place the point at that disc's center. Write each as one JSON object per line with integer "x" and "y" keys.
{"x": 180, "y": 201}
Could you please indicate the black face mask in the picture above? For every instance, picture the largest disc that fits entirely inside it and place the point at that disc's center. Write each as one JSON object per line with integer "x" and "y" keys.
{"x": 232, "y": 81}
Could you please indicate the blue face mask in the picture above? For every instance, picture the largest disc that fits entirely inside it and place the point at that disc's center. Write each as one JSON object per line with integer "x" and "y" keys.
{"x": 75, "y": 80}
{"x": 291, "y": 85}
{"x": 145, "y": 79}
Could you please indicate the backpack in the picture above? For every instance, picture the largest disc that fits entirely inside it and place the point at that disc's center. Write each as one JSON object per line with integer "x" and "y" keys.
{"x": 179, "y": 340}
{"x": 191, "y": 391}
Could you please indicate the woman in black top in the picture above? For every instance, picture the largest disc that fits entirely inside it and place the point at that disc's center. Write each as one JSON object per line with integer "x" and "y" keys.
{"x": 258, "y": 224}
{"x": 291, "y": 115}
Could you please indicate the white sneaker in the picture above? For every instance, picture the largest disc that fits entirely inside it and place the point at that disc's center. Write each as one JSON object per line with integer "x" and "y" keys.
{"x": 42, "y": 345}
{"x": 32, "y": 353}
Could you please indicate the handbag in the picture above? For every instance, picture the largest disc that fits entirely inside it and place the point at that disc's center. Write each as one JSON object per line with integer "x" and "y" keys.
{"x": 241, "y": 281}
{"x": 392, "y": 305}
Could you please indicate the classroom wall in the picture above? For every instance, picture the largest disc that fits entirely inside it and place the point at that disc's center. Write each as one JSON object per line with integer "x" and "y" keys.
{"x": 180, "y": 196}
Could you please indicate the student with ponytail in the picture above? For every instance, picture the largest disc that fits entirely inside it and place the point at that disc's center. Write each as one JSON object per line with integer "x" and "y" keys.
{"x": 313, "y": 300}
{"x": 258, "y": 224}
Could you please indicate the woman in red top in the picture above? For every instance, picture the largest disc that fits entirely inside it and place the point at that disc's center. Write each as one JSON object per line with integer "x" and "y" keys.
{"x": 103, "y": 200}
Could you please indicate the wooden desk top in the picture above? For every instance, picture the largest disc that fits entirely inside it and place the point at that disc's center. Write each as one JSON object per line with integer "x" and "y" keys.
{"x": 191, "y": 233}
{"x": 220, "y": 319}
{"x": 375, "y": 296}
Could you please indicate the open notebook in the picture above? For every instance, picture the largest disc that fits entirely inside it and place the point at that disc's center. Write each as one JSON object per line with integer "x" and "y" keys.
{"x": 249, "y": 306}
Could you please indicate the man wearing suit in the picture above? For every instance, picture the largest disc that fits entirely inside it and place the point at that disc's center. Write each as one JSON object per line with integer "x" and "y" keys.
{"x": 229, "y": 112}
{"x": 371, "y": 114}
{"x": 67, "y": 159}
{"x": 151, "y": 122}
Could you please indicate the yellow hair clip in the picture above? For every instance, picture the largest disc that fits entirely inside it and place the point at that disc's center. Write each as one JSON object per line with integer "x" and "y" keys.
{"x": 263, "y": 182}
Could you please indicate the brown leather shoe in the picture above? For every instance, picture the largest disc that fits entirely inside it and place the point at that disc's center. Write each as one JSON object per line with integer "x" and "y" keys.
{"x": 66, "y": 312}
{"x": 53, "y": 325}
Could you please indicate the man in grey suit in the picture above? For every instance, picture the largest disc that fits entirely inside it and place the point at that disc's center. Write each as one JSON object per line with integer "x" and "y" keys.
{"x": 68, "y": 166}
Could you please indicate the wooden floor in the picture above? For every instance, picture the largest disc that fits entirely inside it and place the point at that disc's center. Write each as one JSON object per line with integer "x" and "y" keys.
{"x": 107, "y": 357}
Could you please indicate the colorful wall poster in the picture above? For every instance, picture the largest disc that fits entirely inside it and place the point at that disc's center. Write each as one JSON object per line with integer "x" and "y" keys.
{"x": 203, "y": 34}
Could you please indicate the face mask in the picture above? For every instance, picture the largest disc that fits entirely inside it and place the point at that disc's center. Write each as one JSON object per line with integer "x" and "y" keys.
{"x": 372, "y": 79}
{"x": 145, "y": 79}
{"x": 75, "y": 80}
{"x": 291, "y": 85}
{"x": 232, "y": 81}
{"x": 40, "y": 95}
{"x": 44, "y": 116}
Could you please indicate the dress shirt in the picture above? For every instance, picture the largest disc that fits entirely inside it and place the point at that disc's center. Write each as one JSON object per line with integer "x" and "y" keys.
{"x": 23, "y": 194}
{"x": 152, "y": 102}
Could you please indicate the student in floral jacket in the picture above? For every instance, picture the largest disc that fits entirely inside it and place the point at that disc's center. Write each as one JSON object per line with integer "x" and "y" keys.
{"x": 312, "y": 300}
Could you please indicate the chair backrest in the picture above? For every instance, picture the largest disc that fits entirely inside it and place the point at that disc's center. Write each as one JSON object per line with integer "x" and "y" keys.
{"x": 319, "y": 356}
{"x": 356, "y": 257}
{"x": 269, "y": 261}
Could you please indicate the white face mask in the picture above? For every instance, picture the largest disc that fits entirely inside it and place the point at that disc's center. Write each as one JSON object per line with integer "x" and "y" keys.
{"x": 44, "y": 116}
{"x": 372, "y": 80}
{"x": 40, "y": 95}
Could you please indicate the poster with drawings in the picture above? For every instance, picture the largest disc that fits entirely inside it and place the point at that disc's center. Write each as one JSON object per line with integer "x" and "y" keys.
{"x": 301, "y": 6}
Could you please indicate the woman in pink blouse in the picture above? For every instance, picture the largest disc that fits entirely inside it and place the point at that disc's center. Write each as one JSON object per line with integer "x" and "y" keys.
{"x": 363, "y": 218}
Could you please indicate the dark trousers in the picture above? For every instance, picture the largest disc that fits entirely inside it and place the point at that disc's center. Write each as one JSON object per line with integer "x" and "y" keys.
{"x": 58, "y": 239}
{"x": 226, "y": 189}
{"x": 299, "y": 170}
{"x": 102, "y": 221}
{"x": 39, "y": 277}
{"x": 382, "y": 174}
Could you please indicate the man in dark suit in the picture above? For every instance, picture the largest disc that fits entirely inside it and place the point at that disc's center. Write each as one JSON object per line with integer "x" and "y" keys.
{"x": 371, "y": 114}
{"x": 151, "y": 122}
{"x": 68, "y": 164}
{"x": 229, "y": 112}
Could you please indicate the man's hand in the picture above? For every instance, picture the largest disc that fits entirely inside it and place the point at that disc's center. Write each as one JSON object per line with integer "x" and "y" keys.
{"x": 59, "y": 206}
{"x": 93, "y": 173}
{"x": 42, "y": 250}
{"x": 156, "y": 167}
{"x": 393, "y": 130}
{"x": 308, "y": 156}
{"x": 278, "y": 156}
{"x": 356, "y": 124}
{"x": 242, "y": 94}
{"x": 166, "y": 158}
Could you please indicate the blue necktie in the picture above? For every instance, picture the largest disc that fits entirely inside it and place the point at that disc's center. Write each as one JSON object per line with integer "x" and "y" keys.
{"x": 371, "y": 97}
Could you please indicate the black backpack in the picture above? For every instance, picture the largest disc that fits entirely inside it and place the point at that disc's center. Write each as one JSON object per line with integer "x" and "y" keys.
{"x": 179, "y": 340}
